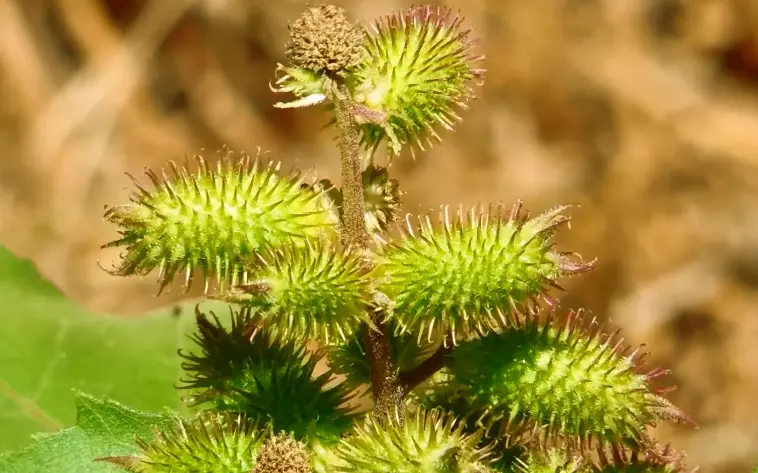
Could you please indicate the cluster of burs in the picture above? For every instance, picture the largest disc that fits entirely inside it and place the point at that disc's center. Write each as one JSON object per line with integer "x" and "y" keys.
{"x": 447, "y": 351}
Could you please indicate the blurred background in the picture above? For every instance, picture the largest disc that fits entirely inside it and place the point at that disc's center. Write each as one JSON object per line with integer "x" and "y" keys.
{"x": 645, "y": 112}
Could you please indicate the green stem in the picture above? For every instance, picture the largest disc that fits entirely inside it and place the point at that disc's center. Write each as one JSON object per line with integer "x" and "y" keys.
{"x": 385, "y": 377}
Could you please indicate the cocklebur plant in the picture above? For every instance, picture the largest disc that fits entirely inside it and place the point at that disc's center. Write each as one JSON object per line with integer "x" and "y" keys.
{"x": 448, "y": 321}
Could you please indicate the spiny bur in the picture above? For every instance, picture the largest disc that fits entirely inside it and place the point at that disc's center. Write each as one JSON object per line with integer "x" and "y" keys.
{"x": 242, "y": 370}
{"x": 314, "y": 291}
{"x": 216, "y": 219}
{"x": 420, "y": 67}
{"x": 210, "y": 443}
{"x": 566, "y": 380}
{"x": 475, "y": 271}
{"x": 416, "y": 69}
{"x": 423, "y": 442}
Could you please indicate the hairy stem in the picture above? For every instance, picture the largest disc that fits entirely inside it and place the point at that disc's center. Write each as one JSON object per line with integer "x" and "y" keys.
{"x": 354, "y": 231}
{"x": 385, "y": 382}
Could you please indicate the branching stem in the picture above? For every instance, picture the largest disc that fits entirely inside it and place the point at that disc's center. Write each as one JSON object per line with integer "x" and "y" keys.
{"x": 385, "y": 379}
{"x": 419, "y": 374}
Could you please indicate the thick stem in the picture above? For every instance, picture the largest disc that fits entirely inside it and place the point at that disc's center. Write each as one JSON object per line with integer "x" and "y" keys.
{"x": 354, "y": 231}
{"x": 385, "y": 378}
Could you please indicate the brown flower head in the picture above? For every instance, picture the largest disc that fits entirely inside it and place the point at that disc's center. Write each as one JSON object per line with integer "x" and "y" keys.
{"x": 324, "y": 40}
{"x": 282, "y": 454}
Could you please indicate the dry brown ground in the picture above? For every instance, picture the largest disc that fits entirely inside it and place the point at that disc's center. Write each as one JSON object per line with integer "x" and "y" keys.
{"x": 645, "y": 112}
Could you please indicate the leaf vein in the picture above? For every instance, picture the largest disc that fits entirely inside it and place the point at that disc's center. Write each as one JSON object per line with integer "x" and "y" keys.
{"x": 29, "y": 407}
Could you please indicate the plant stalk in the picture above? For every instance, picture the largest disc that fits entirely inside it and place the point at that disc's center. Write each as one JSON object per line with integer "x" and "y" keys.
{"x": 385, "y": 378}
{"x": 410, "y": 379}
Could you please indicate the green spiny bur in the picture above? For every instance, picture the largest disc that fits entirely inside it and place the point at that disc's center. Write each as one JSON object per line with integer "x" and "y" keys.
{"x": 418, "y": 68}
{"x": 569, "y": 382}
{"x": 473, "y": 273}
{"x": 424, "y": 442}
{"x": 442, "y": 393}
{"x": 313, "y": 291}
{"x": 243, "y": 370}
{"x": 215, "y": 220}
{"x": 210, "y": 443}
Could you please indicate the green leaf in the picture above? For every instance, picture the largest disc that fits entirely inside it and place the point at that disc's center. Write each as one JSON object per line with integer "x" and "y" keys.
{"x": 51, "y": 346}
{"x": 103, "y": 428}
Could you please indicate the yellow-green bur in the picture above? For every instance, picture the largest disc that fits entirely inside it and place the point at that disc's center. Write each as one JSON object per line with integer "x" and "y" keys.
{"x": 313, "y": 291}
{"x": 210, "y": 442}
{"x": 215, "y": 220}
{"x": 474, "y": 272}
{"x": 426, "y": 441}
{"x": 572, "y": 383}
{"x": 418, "y": 72}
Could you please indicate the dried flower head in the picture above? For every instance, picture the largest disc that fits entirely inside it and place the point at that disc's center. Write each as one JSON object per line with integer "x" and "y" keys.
{"x": 324, "y": 40}
{"x": 281, "y": 453}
